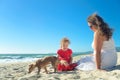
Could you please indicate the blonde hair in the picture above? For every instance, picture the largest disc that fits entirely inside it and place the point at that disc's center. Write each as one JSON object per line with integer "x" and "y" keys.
{"x": 64, "y": 40}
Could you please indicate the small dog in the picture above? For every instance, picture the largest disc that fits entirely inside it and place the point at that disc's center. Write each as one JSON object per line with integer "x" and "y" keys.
{"x": 42, "y": 63}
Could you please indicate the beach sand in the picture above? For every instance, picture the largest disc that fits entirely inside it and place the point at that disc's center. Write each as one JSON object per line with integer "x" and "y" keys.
{"x": 19, "y": 71}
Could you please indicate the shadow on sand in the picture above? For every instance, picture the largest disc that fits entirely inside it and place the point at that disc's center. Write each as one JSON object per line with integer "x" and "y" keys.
{"x": 117, "y": 67}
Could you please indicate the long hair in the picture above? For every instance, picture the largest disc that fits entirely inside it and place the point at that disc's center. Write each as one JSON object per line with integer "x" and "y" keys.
{"x": 102, "y": 26}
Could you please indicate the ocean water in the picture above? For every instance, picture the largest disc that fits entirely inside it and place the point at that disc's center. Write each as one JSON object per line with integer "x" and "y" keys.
{"x": 8, "y": 58}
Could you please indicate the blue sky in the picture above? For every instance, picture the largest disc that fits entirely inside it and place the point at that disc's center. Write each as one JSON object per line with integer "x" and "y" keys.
{"x": 37, "y": 26}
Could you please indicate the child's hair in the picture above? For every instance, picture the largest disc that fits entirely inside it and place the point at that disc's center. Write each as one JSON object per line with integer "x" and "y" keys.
{"x": 64, "y": 40}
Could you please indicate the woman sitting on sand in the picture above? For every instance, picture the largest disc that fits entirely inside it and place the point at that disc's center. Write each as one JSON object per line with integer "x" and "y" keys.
{"x": 65, "y": 56}
{"x": 104, "y": 56}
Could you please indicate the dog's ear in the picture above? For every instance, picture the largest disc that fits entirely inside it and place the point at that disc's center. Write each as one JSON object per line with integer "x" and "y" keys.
{"x": 30, "y": 65}
{"x": 40, "y": 60}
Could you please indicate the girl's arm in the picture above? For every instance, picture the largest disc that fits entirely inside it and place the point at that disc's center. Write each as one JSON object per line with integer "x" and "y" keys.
{"x": 71, "y": 59}
{"x": 98, "y": 42}
{"x": 60, "y": 58}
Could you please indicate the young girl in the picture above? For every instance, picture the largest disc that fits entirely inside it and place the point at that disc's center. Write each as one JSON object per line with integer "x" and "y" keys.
{"x": 65, "y": 57}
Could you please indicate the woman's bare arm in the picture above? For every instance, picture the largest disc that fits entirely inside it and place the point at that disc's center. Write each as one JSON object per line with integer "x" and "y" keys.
{"x": 98, "y": 42}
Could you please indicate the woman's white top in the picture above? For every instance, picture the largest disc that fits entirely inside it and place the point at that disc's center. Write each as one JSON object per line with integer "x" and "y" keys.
{"x": 108, "y": 57}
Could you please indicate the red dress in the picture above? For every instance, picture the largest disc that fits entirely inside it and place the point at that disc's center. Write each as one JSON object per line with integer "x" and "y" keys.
{"x": 65, "y": 55}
